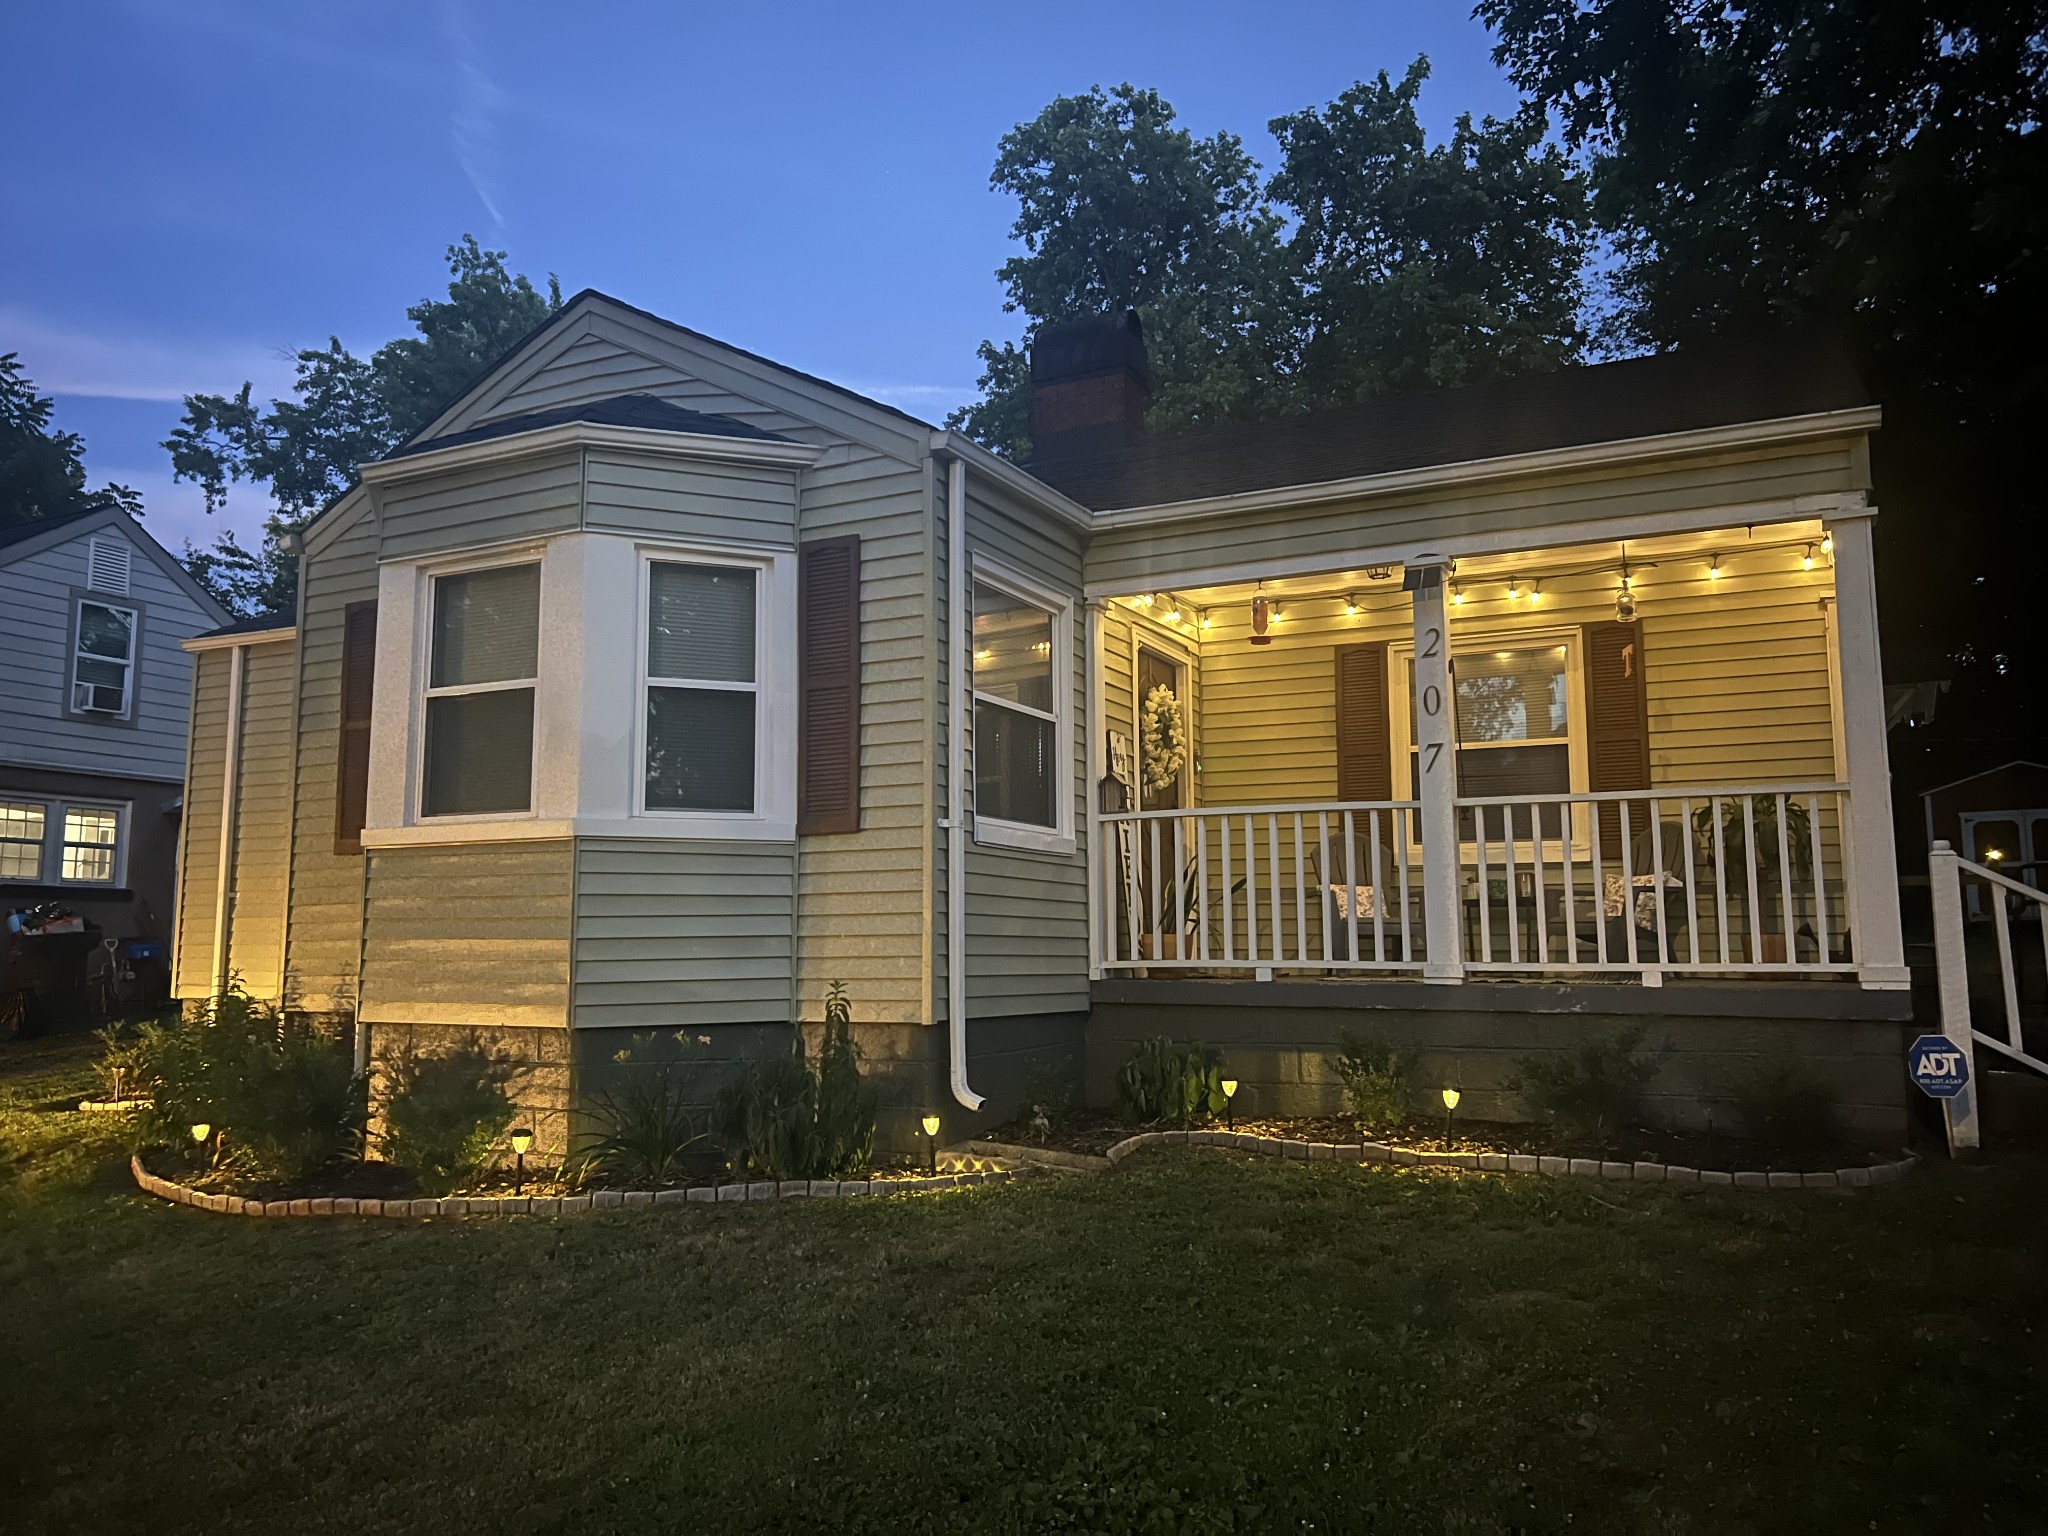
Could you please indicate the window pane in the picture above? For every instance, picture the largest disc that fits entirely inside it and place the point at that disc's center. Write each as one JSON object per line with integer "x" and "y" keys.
{"x": 479, "y": 753}
{"x": 1012, "y": 648}
{"x": 1511, "y": 696}
{"x": 700, "y": 623}
{"x": 102, "y": 674}
{"x": 21, "y": 861}
{"x": 486, "y": 626}
{"x": 104, "y": 631}
{"x": 88, "y": 863}
{"x": 1013, "y": 765}
{"x": 21, "y": 818}
{"x": 83, "y": 826}
{"x": 700, "y": 749}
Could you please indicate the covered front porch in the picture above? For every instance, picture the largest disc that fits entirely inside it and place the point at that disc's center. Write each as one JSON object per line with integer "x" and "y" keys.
{"x": 1624, "y": 760}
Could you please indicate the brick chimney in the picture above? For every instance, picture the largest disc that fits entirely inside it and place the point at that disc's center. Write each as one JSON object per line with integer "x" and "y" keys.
{"x": 1090, "y": 384}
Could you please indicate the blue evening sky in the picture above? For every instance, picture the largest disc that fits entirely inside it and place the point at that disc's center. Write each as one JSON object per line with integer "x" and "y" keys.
{"x": 210, "y": 185}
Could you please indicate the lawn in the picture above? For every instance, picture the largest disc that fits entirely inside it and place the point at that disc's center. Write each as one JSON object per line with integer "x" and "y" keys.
{"x": 1201, "y": 1341}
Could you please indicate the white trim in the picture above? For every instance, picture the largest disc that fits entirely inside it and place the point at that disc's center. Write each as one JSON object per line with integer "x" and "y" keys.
{"x": 959, "y": 653}
{"x": 230, "y": 777}
{"x": 199, "y": 643}
{"x": 1148, "y": 633}
{"x": 585, "y": 434}
{"x": 1832, "y": 506}
{"x": 1028, "y": 837}
{"x": 1018, "y": 482}
{"x": 425, "y": 692}
{"x": 50, "y": 849}
{"x": 1091, "y": 790}
{"x": 79, "y": 653}
{"x": 1785, "y": 429}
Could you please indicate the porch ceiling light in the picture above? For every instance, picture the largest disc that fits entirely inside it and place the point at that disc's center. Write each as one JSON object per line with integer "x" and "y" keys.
{"x": 1625, "y": 602}
{"x": 1262, "y": 615}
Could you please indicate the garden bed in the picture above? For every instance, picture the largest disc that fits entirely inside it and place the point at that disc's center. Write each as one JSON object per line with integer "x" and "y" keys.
{"x": 1093, "y": 1134}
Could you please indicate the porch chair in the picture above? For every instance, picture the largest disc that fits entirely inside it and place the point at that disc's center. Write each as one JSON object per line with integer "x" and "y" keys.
{"x": 1630, "y": 896}
{"x": 1377, "y": 891}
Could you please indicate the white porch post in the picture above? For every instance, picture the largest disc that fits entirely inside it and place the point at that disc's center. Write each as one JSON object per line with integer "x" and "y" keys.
{"x": 1944, "y": 879}
{"x": 1437, "y": 760}
{"x": 1096, "y": 861}
{"x": 1872, "y": 860}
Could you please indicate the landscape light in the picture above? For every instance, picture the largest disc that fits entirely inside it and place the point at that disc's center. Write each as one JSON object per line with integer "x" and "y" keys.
{"x": 201, "y": 1131}
{"x": 1451, "y": 1097}
{"x": 931, "y": 1141}
{"x": 522, "y": 1139}
{"x": 1230, "y": 1102}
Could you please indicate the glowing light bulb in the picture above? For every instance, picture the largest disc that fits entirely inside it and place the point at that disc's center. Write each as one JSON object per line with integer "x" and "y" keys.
{"x": 1350, "y": 606}
{"x": 1173, "y": 614}
{"x": 1827, "y": 543}
{"x": 1457, "y": 596}
{"x": 1714, "y": 568}
{"x": 1514, "y": 588}
{"x": 1806, "y": 562}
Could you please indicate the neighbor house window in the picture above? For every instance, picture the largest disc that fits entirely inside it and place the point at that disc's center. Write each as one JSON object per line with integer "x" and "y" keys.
{"x": 103, "y": 659}
{"x": 1016, "y": 710}
{"x": 703, "y": 687}
{"x": 56, "y": 842}
{"x": 483, "y": 662}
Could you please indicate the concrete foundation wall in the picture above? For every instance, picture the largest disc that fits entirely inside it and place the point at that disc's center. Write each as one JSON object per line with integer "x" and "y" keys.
{"x": 1706, "y": 1042}
{"x": 540, "y": 1089}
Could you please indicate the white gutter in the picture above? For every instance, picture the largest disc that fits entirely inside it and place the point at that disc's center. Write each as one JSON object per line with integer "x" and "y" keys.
{"x": 231, "y": 770}
{"x": 958, "y": 702}
{"x": 1020, "y": 483}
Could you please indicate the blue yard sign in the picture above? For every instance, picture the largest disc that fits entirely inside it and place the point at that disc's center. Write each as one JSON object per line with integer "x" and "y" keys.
{"x": 1938, "y": 1066}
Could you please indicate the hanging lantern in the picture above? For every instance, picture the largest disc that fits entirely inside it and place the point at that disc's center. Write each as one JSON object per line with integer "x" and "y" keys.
{"x": 1262, "y": 615}
{"x": 1625, "y": 601}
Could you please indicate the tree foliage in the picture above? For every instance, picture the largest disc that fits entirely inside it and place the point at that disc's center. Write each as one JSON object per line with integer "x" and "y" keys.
{"x": 344, "y": 411}
{"x": 1406, "y": 264}
{"x": 42, "y": 471}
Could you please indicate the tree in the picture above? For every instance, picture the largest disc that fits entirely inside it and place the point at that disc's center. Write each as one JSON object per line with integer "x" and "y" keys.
{"x": 345, "y": 412}
{"x": 42, "y": 472}
{"x": 1120, "y": 209}
{"x": 1869, "y": 167}
{"x": 1422, "y": 266}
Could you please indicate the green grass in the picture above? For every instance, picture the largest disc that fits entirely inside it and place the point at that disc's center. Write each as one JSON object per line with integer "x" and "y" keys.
{"x": 1201, "y": 1341}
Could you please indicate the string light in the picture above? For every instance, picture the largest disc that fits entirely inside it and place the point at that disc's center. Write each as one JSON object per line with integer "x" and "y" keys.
{"x": 1827, "y": 543}
{"x": 1514, "y": 588}
{"x": 1144, "y": 599}
{"x": 1205, "y": 618}
{"x": 1457, "y": 596}
{"x": 1350, "y": 605}
{"x": 1806, "y": 563}
{"x": 1714, "y": 568}
{"x": 1536, "y": 593}
{"x": 1172, "y": 611}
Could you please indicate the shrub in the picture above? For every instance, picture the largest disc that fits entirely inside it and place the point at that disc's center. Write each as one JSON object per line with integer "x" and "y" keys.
{"x": 1048, "y": 1098}
{"x": 283, "y": 1092}
{"x": 645, "y": 1129}
{"x": 781, "y": 1118}
{"x": 1784, "y": 1105}
{"x": 1375, "y": 1079}
{"x": 122, "y": 1070}
{"x": 1164, "y": 1081}
{"x": 444, "y": 1112}
{"x": 1594, "y": 1089}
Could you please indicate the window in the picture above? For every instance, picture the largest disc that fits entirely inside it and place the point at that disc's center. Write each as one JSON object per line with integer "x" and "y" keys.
{"x": 1018, "y": 710}
{"x": 1513, "y": 723}
{"x": 483, "y": 663}
{"x": 703, "y": 688}
{"x": 103, "y": 659}
{"x": 56, "y": 842}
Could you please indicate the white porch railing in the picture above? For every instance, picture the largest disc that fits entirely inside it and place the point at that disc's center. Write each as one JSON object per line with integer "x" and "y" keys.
{"x": 1647, "y": 883}
{"x": 1258, "y": 888}
{"x": 1946, "y": 876}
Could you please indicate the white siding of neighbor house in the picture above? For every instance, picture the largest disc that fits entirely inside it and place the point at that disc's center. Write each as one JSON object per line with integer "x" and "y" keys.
{"x": 1027, "y": 913}
{"x": 36, "y": 598}
{"x": 1136, "y": 558}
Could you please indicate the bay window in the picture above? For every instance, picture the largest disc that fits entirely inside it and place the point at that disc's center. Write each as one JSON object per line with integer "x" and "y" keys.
{"x": 702, "y": 688}
{"x": 483, "y": 666}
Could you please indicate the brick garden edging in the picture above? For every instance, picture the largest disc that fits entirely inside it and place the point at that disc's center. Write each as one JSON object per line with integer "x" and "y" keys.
{"x": 564, "y": 1205}
{"x": 1479, "y": 1162}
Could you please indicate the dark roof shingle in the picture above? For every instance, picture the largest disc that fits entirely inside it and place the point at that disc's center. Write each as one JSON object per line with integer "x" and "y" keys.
{"x": 647, "y": 412}
{"x": 1720, "y": 383}
{"x": 255, "y": 626}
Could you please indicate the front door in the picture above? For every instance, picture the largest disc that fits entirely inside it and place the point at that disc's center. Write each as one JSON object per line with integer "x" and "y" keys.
{"x": 1158, "y": 671}
{"x": 1157, "y": 887}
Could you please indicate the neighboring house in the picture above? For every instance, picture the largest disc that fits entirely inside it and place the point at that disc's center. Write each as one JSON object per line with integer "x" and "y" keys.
{"x": 1997, "y": 817}
{"x": 95, "y": 706}
{"x": 655, "y": 686}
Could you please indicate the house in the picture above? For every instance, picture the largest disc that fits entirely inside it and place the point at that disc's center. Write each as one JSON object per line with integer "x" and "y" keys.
{"x": 1999, "y": 817}
{"x": 657, "y": 685}
{"x": 94, "y": 714}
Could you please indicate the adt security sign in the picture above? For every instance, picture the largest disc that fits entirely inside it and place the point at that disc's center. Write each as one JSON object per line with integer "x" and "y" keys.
{"x": 1938, "y": 1066}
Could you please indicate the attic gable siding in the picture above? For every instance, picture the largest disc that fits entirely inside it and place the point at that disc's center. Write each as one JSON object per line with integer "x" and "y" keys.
{"x": 35, "y": 659}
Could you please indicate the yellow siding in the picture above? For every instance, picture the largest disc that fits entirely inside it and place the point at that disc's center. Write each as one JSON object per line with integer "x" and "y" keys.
{"x": 476, "y": 934}
{"x": 263, "y": 816}
{"x": 199, "y": 835}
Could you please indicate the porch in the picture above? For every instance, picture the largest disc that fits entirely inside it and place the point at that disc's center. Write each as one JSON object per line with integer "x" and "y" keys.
{"x": 1600, "y": 762}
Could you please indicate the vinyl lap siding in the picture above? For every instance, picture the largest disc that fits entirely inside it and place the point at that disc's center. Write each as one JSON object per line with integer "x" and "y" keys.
{"x": 476, "y": 934}
{"x": 1027, "y": 913}
{"x": 485, "y": 504}
{"x": 638, "y": 493}
{"x": 263, "y": 818}
{"x": 672, "y": 934}
{"x": 1132, "y": 559}
{"x": 199, "y": 834}
{"x": 326, "y": 887}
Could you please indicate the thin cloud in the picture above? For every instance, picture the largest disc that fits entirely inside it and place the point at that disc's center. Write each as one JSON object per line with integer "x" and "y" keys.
{"x": 63, "y": 361}
{"x": 473, "y": 125}
{"x": 914, "y": 397}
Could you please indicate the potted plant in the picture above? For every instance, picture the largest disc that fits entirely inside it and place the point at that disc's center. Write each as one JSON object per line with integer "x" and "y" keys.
{"x": 1771, "y": 849}
{"x": 1178, "y": 918}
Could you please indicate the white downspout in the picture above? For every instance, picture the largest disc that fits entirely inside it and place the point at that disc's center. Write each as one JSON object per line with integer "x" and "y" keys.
{"x": 959, "y": 701}
{"x": 231, "y": 771}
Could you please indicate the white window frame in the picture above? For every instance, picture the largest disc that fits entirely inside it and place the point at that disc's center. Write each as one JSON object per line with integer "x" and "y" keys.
{"x": 78, "y": 653}
{"x": 764, "y": 663}
{"x": 1059, "y": 607}
{"x": 1401, "y": 736}
{"x": 50, "y": 860}
{"x": 424, "y": 691}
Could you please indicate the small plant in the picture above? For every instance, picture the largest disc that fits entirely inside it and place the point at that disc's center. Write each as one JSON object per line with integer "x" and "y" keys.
{"x": 1375, "y": 1079}
{"x": 782, "y": 1119}
{"x": 645, "y": 1129}
{"x": 1164, "y": 1081}
{"x": 443, "y": 1114}
{"x": 1594, "y": 1089}
{"x": 1048, "y": 1099}
{"x": 120, "y": 1066}
{"x": 282, "y": 1093}
{"x": 1783, "y": 1105}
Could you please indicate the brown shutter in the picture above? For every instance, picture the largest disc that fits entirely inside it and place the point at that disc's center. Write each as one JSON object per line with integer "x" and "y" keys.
{"x": 352, "y": 760}
{"x": 1617, "y": 719}
{"x": 828, "y": 686}
{"x": 1365, "y": 764}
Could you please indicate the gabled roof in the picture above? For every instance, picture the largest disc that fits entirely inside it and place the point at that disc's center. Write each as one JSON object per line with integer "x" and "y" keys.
{"x": 1717, "y": 384}
{"x": 649, "y": 413}
{"x": 1984, "y": 773}
{"x": 25, "y": 539}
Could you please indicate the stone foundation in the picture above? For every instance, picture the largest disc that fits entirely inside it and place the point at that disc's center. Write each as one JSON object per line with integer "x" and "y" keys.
{"x": 540, "y": 1089}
